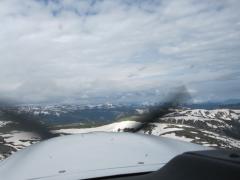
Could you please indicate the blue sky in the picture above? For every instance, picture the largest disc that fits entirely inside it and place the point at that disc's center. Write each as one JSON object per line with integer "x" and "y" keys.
{"x": 74, "y": 51}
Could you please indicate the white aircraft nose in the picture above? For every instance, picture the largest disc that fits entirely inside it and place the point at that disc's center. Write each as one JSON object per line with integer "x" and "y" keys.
{"x": 92, "y": 155}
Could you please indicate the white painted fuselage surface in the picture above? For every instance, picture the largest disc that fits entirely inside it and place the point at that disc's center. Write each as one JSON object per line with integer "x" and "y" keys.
{"x": 90, "y": 155}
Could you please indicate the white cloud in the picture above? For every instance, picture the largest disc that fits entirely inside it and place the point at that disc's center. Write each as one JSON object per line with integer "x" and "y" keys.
{"x": 53, "y": 51}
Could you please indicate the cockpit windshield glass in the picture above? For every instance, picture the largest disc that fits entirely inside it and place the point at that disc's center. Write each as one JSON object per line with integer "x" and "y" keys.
{"x": 158, "y": 67}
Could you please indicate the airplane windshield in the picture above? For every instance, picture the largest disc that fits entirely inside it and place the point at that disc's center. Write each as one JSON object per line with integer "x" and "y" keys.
{"x": 162, "y": 68}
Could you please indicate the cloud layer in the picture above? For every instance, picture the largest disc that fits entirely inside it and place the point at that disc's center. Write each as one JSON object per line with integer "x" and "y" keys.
{"x": 123, "y": 51}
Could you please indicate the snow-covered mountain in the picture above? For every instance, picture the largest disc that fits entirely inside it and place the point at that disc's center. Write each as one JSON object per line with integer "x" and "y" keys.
{"x": 215, "y": 128}
{"x": 66, "y": 114}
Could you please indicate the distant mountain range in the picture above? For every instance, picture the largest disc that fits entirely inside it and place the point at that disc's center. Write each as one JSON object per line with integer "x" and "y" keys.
{"x": 101, "y": 113}
{"x": 65, "y": 114}
{"x": 212, "y": 105}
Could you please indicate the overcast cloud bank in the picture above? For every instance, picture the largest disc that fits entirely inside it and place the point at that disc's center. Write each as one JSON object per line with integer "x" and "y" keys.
{"x": 124, "y": 51}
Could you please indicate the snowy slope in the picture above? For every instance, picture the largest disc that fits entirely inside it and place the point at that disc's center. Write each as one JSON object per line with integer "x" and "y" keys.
{"x": 114, "y": 127}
